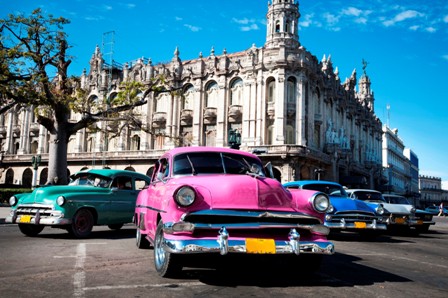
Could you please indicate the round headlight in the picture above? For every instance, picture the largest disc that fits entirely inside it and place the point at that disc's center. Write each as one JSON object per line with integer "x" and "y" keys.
{"x": 321, "y": 202}
{"x": 413, "y": 210}
{"x": 60, "y": 200}
{"x": 380, "y": 210}
{"x": 185, "y": 196}
{"x": 13, "y": 201}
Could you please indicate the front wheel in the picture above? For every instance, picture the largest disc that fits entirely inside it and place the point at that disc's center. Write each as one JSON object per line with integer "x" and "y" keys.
{"x": 31, "y": 230}
{"x": 140, "y": 240}
{"x": 82, "y": 224}
{"x": 166, "y": 263}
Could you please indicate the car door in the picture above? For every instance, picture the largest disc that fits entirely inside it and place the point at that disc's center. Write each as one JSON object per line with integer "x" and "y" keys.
{"x": 122, "y": 200}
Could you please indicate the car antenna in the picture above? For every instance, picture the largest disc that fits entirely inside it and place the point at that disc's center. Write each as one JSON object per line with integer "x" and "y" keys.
{"x": 191, "y": 164}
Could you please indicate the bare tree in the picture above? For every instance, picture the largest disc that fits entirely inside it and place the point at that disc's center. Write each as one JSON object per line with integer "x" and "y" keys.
{"x": 34, "y": 72}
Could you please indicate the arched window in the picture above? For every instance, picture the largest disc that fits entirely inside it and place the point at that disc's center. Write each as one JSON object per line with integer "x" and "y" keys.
{"x": 277, "y": 26}
{"x": 271, "y": 91}
{"x": 135, "y": 143}
{"x": 211, "y": 95}
{"x": 236, "y": 92}
{"x": 291, "y": 90}
{"x": 188, "y": 98}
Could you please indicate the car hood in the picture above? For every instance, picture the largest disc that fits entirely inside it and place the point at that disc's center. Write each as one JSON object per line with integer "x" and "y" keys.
{"x": 346, "y": 204}
{"x": 48, "y": 194}
{"x": 242, "y": 192}
{"x": 397, "y": 208}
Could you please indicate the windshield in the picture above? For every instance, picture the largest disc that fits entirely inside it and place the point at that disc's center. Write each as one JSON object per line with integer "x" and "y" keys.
{"x": 329, "y": 189}
{"x": 197, "y": 163}
{"x": 90, "y": 180}
{"x": 397, "y": 200}
{"x": 369, "y": 196}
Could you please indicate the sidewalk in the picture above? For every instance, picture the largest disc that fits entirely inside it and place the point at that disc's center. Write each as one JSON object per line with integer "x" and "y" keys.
{"x": 4, "y": 211}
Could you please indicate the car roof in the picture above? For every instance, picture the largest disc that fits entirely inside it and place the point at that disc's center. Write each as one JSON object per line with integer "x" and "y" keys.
{"x": 113, "y": 173}
{"x": 306, "y": 182}
{"x": 179, "y": 150}
{"x": 362, "y": 189}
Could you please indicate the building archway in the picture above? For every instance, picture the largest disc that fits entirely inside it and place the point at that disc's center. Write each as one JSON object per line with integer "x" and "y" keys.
{"x": 27, "y": 178}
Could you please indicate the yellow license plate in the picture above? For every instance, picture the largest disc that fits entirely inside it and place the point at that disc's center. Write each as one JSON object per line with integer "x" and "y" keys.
{"x": 260, "y": 246}
{"x": 399, "y": 220}
{"x": 360, "y": 225}
{"x": 25, "y": 219}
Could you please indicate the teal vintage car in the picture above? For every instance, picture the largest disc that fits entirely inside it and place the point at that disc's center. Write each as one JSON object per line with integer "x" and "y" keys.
{"x": 93, "y": 197}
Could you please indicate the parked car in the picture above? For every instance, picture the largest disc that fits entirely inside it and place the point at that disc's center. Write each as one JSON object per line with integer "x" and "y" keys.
{"x": 346, "y": 213}
{"x": 400, "y": 215}
{"x": 423, "y": 218}
{"x": 211, "y": 201}
{"x": 93, "y": 197}
{"x": 434, "y": 210}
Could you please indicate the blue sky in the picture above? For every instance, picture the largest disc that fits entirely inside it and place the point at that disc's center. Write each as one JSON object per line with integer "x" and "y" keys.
{"x": 404, "y": 42}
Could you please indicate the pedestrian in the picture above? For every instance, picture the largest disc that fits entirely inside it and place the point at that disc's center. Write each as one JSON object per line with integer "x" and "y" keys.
{"x": 440, "y": 209}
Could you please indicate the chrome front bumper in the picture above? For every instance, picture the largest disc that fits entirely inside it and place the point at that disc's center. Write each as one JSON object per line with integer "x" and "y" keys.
{"x": 37, "y": 219}
{"x": 342, "y": 224}
{"x": 223, "y": 245}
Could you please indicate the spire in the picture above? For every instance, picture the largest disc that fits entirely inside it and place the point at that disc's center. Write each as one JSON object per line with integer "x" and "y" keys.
{"x": 282, "y": 26}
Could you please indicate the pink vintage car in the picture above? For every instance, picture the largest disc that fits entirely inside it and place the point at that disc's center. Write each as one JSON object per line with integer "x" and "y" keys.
{"x": 209, "y": 200}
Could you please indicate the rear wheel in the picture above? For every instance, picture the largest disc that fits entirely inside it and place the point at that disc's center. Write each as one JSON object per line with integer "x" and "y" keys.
{"x": 31, "y": 230}
{"x": 166, "y": 263}
{"x": 82, "y": 224}
{"x": 115, "y": 226}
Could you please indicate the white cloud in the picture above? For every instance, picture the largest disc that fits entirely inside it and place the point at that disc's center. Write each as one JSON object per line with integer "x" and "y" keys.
{"x": 244, "y": 21}
{"x": 402, "y": 16}
{"x": 430, "y": 29}
{"x": 306, "y": 20}
{"x": 331, "y": 19}
{"x": 131, "y": 5}
{"x": 249, "y": 24}
{"x": 178, "y": 18}
{"x": 352, "y": 11}
{"x": 250, "y": 28}
{"x": 192, "y": 28}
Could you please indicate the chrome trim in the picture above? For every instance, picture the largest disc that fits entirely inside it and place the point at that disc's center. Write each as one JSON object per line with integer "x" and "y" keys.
{"x": 293, "y": 246}
{"x": 39, "y": 220}
{"x": 169, "y": 227}
{"x": 374, "y": 225}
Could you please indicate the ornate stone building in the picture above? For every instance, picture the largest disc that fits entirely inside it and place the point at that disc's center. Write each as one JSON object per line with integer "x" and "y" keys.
{"x": 278, "y": 100}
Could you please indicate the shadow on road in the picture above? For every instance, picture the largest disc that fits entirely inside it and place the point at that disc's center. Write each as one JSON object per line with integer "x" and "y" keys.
{"x": 126, "y": 232}
{"x": 339, "y": 270}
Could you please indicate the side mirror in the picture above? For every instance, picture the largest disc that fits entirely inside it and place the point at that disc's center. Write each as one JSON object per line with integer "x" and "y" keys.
{"x": 269, "y": 170}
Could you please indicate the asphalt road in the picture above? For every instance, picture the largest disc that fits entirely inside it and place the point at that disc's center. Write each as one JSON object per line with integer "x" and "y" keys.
{"x": 109, "y": 265}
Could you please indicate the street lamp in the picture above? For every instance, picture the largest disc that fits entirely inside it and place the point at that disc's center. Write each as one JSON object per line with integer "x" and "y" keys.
{"x": 234, "y": 139}
{"x": 35, "y": 161}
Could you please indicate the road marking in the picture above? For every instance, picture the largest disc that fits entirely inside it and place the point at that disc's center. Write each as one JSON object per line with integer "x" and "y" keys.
{"x": 167, "y": 285}
{"x": 79, "y": 279}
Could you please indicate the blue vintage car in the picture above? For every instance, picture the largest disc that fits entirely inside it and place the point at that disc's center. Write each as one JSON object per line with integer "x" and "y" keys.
{"x": 93, "y": 197}
{"x": 346, "y": 213}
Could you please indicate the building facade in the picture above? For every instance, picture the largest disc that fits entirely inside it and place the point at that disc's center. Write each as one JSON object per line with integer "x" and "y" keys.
{"x": 431, "y": 191}
{"x": 279, "y": 100}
